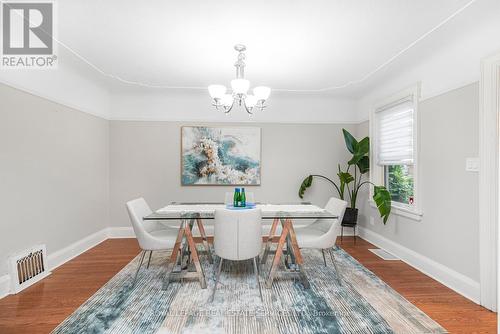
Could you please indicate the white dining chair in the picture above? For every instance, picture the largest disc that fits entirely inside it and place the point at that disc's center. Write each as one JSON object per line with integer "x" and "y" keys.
{"x": 322, "y": 234}
{"x": 151, "y": 235}
{"x": 238, "y": 237}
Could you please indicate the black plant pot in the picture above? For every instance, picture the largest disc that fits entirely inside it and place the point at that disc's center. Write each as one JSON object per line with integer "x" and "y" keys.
{"x": 350, "y": 217}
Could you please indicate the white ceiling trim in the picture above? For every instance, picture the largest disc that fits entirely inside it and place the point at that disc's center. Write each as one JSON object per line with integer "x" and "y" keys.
{"x": 222, "y": 121}
{"x": 319, "y": 90}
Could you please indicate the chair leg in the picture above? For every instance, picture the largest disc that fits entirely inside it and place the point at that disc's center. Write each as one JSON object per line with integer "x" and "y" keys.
{"x": 217, "y": 279}
{"x": 354, "y": 233}
{"x": 143, "y": 253}
{"x": 339, "y": 276}
{"x": 324, "y": 258}
{"x": 256, "y": 270}
{"x": 149, "y": 259}
{"x": 258, "y": 264}
{"x": 341, "y": 233}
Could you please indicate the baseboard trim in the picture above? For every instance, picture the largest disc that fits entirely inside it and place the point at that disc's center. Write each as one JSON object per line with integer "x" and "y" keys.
{"x": 81, "y": 246}
{"x": 120, "y": 232}
{"x": 73, "y": 250}
{"x": 4, "y": 285}
{"x": 460, "y": 283}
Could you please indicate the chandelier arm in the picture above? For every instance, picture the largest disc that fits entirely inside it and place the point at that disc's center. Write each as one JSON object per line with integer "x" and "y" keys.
{"x": 249, "y": 111}
{"x": 227, "y": 111}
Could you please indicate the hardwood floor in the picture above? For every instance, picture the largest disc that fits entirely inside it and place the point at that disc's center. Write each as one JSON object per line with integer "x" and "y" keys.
{"x": 41, "y": 307}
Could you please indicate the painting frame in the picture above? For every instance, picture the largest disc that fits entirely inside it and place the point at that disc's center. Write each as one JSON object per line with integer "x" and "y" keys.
{"x": 258, "y": 131}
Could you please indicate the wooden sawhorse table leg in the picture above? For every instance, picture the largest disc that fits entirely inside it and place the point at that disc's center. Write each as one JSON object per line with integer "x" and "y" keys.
{"x": 289, "y": 237}
{"x": 269, "y": 240}
{"x": 185, "y": 234}
{"x": 204, "y": 240}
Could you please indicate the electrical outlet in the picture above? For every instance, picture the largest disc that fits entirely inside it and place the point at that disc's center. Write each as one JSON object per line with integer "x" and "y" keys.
{"x": 472, "y": 164}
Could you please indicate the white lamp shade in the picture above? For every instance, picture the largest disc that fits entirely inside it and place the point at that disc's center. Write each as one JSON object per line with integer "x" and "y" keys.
{"x": 217, "y": 91}
{"x": 250, "y": 101}
{"x": 227, "y": 100}
{"x": 262, "y": 92}
{"x": 240, "y": 86}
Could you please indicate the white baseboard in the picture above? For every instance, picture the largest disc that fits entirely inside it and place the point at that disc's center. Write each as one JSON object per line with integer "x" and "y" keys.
{"x": 460, "y": 283}
{"x": 4, "y": 285}
{"x": 349, "y": 232}
{"x": 62, "y": 256}
{"x": 120, "y": 232}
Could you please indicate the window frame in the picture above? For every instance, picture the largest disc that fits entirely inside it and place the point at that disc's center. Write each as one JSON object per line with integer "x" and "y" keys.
{"x": 377, "y": 173}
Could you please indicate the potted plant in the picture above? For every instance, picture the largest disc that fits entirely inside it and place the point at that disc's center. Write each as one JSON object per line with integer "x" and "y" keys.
{"x": 351, "y": 180}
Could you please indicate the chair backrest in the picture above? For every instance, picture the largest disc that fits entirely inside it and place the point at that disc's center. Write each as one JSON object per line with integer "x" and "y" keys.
{"x": 336, "y": 207}
{"x": 238, "y": 233}
{"x": 137, "y": 209}
{"x": 229, "y": 198}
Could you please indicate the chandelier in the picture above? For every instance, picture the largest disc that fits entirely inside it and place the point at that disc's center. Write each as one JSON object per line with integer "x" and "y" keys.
{"x": 240, "y": 86}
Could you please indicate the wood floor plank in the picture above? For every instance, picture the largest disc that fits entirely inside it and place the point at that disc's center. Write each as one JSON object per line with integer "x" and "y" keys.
{"x": 41, "y": 307}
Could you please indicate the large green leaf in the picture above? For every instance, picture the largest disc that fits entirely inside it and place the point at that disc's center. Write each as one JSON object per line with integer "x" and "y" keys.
{"x": 345, "y": 177}
{"x": 355, "y": 159}
{"x": 350, "y": 142}
{"x": 305, "y": 184}
{"x": 363, "y": 146}
{"x": 360, "y": 150}
{"x": 382, "y": 199}
{"x": 364, "y": 165}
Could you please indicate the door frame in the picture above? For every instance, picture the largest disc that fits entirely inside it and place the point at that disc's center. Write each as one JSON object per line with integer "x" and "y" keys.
{"x": 489, "y": 180}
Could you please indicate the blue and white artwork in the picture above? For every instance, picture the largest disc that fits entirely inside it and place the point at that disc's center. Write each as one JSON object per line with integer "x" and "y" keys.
{"x": 220, "y": 155}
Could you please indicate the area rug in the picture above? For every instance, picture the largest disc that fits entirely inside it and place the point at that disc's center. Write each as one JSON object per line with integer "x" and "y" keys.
{"x": 359, "y": 303}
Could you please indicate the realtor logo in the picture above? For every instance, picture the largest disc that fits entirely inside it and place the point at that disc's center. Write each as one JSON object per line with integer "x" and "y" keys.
{"x": 27, "y": 35}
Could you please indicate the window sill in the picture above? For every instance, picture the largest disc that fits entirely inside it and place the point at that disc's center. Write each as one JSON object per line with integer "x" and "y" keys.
{"x": 412, "y": 214}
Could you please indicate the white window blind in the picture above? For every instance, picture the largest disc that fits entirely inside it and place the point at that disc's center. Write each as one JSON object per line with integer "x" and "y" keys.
{"x": 395, "y": 133}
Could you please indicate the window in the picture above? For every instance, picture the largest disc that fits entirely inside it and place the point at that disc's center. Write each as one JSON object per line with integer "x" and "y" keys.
{"x": 394, "y": 141}
{"x": 398, "y": 180}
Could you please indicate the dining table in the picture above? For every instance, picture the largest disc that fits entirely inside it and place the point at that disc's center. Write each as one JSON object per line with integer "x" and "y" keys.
{"x": 186, "y": 214}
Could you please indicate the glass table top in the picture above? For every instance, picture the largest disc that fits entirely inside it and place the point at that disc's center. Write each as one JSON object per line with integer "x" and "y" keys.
{"x": 206, "y": 210}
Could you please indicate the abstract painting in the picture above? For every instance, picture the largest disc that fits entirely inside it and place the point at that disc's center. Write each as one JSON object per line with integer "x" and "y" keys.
{"x": 220, "y": 155}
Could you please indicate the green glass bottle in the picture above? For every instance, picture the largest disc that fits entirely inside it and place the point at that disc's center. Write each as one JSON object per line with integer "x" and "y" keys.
{"x": 236, "y": 197}
{"x": 243, "y": 198}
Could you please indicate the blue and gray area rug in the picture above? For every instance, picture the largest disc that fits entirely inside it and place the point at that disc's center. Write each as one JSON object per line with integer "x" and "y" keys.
{"x": 361, "y": 304}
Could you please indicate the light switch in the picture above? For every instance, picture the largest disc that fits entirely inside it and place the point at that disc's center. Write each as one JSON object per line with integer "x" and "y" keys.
{"x": 472, "y": 164}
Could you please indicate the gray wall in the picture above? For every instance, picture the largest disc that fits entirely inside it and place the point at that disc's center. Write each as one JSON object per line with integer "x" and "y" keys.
{"x": 145, "y": 161}
{"x": 53, "y": 174}
{"x": 448, "y": 232}
{"x": 65, "y": 174}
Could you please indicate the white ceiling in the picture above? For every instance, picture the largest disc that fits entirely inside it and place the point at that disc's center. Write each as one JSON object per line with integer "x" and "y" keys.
{"x": 292, "y": 45}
